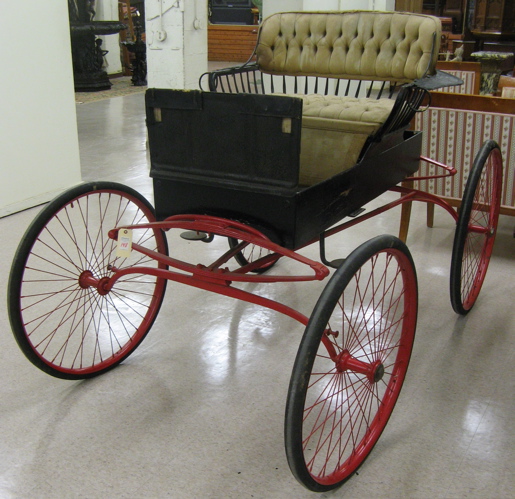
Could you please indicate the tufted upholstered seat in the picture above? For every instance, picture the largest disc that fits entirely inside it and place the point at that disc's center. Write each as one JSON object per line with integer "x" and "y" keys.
{"x": 393, "y": 47}
{"x": 380, "y": 53}
{"x": 334, "y": 130}
{"x": 390, "y": 46}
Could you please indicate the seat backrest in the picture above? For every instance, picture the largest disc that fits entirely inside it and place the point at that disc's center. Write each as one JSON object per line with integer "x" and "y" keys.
{"x": 371, "y": 45}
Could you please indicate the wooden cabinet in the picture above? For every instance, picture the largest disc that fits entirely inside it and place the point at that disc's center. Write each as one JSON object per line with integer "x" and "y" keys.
{"x": 494, "y": 18}
{"x": 408, "y": 6}
{"x": 231, "y": 42}
{"x": 455, "y": 9}
{"x": 451, "y": 9}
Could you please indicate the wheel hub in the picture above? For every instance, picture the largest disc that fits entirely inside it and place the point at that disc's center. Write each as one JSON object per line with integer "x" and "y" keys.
{"x": 379, "y": 373}
{"x": 373, "y": 371}
{"x": 88, "y": 280}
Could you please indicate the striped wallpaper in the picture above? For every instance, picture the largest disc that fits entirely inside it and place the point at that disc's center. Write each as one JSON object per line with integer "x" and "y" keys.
{"x": 469, "y": 79}
{"x": 454, "y": 137}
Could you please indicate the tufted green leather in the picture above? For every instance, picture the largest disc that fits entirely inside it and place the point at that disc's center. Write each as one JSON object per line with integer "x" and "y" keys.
{"x": 374, "y": 45}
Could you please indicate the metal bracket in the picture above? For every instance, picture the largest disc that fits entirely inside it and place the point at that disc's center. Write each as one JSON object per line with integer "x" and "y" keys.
{"x": 333, "y": 263}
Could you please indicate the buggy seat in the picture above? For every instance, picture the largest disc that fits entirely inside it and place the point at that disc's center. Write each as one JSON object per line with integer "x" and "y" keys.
{"x": 304, "y": 135}
{"x": 354, "y": 70}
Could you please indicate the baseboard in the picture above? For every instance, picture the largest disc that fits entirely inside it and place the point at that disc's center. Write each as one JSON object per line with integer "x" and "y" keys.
{"x": 32, "y": 202}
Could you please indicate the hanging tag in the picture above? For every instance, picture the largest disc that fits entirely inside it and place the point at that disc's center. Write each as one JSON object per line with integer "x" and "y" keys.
{"x": 124, "y": 248}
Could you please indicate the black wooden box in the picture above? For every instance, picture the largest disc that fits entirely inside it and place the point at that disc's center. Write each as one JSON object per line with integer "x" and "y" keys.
{"x": 237, "y": 156}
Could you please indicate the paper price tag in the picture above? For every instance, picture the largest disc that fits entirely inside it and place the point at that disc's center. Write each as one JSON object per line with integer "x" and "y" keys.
{"x": 124, "y": 247}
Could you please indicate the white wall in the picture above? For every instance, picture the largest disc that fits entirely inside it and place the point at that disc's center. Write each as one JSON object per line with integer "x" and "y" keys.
{"x": 356, "y": 5}
{"x": 39, "y": 150}
{"x": 272, "y": 6}
{"x": 195, "y": 42}
{"x": 382, "y": 5}
{"x": 176, "y": 33}
{"x": 321, "y": 5}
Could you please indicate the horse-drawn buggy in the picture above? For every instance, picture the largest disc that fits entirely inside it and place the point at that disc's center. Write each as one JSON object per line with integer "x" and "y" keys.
{"x": 273, "y": 156}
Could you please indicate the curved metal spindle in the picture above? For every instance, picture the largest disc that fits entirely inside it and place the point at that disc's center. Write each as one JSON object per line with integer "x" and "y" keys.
{"x": 381, "y": 90}
{"x": 255, "y": 82}
{"x": 356, "y": 95}
{"x": 369, "y": 91}
{"x": 220, "y": 80}
{"x": 347, "y": 89}
{"x": 228, "y": 80}
{"x": 242, "y": 81}
{"x": 392, "y": 89}
{"x": 235, "y": 81}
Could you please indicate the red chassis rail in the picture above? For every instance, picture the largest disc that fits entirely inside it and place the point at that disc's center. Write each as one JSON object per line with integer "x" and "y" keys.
{"x": 217, "y": 279}
{"x": 213, "y": 277}
{"x": 408, "y": 194}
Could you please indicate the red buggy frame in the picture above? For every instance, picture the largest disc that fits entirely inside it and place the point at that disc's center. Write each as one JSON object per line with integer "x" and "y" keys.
{"x": 80, "y": 303}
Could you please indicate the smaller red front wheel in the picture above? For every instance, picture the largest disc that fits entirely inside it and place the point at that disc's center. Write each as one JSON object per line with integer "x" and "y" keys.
{"x": 65, "y": 318}
{"x": 351, "y": 364}
{"x": 476, "y": 228}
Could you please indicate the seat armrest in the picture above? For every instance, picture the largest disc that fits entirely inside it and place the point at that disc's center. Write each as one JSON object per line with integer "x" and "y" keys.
{"x": 438, "y": 80}
{"x": 218, "y": 76}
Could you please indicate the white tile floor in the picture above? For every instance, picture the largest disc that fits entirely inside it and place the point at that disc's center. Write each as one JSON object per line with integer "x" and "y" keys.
{"x": 197, "y": 411}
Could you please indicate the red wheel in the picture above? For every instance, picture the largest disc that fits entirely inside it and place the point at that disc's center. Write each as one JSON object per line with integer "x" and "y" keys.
{"x": 250, "y": 254}
{"x": 476, "y": 228}
{"x": 351, "y": 364}
{"x": 64, "y": 323}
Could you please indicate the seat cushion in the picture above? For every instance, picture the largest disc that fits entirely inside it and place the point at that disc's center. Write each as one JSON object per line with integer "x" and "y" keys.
{"x": 367, "y": 111}
{"x": 334, "y": 131}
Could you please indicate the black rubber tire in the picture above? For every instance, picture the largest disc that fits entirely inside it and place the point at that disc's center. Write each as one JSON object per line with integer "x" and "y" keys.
{"x": 326, "y": 387}
{"x": 53, "y": 315}
{"x": 472, "y": 249}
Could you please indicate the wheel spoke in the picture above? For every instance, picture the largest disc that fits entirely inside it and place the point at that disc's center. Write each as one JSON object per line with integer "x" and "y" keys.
{"x": 58, "y": 306}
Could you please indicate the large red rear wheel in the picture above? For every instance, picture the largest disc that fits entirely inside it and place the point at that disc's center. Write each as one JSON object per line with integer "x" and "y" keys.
{"x": 476, "y": 228}
{"x": 351, "y": 364}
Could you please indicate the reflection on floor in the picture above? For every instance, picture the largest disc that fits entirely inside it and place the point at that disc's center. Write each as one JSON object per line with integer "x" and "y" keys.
{"x": 197, "y": 411}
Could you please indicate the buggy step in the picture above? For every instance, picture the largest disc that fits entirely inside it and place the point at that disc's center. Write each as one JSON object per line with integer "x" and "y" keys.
{"x": 193, "y": 235}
